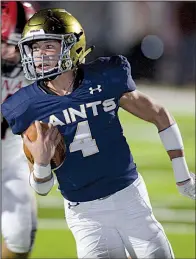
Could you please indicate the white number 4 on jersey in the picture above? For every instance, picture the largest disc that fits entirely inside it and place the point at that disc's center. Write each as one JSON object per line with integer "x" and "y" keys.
{"x": 83, "y": 140}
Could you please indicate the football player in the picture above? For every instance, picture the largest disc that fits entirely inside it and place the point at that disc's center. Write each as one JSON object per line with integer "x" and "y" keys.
{"x": 106, "y": 201}
{"x": 18, "y": 219}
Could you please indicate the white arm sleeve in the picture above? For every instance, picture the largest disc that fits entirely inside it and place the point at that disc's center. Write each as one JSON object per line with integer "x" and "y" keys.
{"x": 39, "y": 187}
{"x": 172, "y": 140}
{"x": 41, "y": 172}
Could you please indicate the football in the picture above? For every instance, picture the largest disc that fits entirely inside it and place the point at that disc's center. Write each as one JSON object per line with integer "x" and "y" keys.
{"x": 59, "y": 155}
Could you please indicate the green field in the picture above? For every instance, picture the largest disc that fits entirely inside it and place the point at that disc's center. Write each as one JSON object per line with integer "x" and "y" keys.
{"x": 176, "y": 213}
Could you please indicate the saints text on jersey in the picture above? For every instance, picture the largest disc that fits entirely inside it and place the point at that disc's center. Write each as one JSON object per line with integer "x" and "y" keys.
{"x": 70, "y": 113}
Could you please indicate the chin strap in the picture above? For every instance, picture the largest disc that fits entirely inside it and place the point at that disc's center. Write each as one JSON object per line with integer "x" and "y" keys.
{"x": 85, "y": 54}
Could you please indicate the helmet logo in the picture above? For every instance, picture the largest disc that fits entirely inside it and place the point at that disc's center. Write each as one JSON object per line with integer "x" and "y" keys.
{"x": 70, "y": 39}
{"x": 66, "y": 64}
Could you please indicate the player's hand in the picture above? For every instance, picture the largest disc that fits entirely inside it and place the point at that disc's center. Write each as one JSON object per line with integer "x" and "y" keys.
{"x": 43, "y": 149}
{"x": 188, "y": 188}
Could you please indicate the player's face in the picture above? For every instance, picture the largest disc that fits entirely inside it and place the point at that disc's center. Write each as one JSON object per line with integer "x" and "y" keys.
{"x": 9, "y": 54}
{"x": 45, "y": 54}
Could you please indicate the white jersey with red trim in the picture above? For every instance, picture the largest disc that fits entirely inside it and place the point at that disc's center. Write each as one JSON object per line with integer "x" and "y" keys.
{"x": 12, "y": 81}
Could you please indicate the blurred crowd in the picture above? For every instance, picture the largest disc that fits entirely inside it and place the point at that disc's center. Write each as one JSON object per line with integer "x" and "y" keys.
{"x": 158, "y": 38}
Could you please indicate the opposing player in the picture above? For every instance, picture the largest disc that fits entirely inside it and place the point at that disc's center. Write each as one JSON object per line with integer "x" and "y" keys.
{"x": 106, "y": 202}
{"x": 18, "y": 219}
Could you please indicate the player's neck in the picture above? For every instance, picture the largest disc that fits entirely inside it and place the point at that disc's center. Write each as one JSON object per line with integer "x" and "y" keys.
{"x": 63, "y": 84}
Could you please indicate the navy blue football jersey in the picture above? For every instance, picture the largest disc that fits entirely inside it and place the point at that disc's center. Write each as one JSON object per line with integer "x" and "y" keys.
{"x": 98, "y": 159}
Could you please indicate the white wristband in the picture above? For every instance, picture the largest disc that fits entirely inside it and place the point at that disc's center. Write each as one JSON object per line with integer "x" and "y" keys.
{"x": 181, "y": 171}
{"x": 41, "y": 188}
{"x": 41, "y": 172}
{"x": 171, "y": 138}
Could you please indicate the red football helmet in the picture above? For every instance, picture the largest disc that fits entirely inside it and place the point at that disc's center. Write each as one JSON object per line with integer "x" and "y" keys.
{"x": 14, "y": 17}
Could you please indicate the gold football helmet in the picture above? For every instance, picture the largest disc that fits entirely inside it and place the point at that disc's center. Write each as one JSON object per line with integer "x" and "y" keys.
{"x": 53, "y": 24}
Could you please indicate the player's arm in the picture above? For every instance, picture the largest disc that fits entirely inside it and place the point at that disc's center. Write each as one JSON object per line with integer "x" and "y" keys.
{"x": 42, "y": 150}
{"x": 147, "y": 109}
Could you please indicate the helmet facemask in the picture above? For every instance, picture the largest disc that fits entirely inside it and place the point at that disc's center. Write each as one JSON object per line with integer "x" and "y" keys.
{"x": 63, "y": 59}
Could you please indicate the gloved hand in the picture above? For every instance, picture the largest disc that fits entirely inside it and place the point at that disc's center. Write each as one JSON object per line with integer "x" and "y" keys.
{"x": 188, "y": 187}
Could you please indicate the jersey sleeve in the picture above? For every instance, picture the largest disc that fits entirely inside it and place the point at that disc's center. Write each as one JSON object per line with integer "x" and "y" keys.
{"x": 122, "y": 78}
